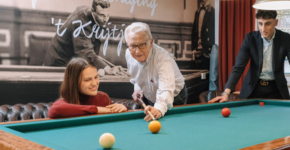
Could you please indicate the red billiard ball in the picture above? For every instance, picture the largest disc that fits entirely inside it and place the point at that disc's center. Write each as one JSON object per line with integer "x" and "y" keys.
{"x": 226, "y": 112}
{"x": 261, "y": 103}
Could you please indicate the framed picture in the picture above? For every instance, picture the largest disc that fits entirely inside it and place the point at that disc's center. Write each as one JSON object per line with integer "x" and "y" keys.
{"x": 283, "y": 17}
{"x": 187, "y": 50}
{"x": 172, "y": 46}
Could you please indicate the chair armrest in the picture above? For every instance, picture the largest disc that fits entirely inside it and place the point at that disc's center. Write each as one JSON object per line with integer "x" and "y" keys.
{"x": 130, "y": 104}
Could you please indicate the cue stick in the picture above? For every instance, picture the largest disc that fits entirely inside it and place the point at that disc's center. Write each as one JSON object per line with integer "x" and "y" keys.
{"x": 143, "y": 104}
{"x": 112, "y": 65}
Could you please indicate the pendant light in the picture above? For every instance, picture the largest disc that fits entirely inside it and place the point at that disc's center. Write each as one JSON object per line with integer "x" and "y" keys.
{"x": 272, "y": 4}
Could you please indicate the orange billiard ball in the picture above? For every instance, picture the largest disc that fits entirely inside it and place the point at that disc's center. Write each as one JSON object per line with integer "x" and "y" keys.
{"x": 154, "y": 126}
{"x": 261, "y": 103}
{"x": 226, "y": 112}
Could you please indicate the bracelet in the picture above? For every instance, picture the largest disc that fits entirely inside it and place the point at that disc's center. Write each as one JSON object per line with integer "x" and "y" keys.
{"x": 225, "y": 93}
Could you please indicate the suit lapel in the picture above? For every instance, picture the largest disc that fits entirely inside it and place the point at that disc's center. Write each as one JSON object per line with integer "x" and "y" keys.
{"x": 260, "y": 50}
{"x": 206, "y": 16}
{"x": 275, "y": 50}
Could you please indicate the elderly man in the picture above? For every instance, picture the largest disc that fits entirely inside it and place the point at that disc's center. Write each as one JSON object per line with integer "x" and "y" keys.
{"x": 66, "y": 46}
{"x": 155, "y": 74}
{"x": 267, "y": 49}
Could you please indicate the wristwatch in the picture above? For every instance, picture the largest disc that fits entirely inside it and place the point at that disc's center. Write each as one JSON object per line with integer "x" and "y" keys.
{"x": 225, "y": 93}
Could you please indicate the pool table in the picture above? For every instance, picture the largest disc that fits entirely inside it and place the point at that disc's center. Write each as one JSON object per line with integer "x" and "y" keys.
{"x": 250, "y": 126}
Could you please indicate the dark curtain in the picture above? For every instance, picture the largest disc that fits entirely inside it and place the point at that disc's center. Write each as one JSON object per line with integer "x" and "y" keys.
{"x": 236, "y": 19}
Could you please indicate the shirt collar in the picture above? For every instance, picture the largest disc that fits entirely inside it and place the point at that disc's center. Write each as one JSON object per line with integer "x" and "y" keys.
{"x": 94, "y": 19}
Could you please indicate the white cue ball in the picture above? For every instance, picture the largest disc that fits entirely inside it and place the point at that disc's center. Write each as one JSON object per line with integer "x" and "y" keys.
{"x": 101, "y": 72}
{"x": 107, "y": 140}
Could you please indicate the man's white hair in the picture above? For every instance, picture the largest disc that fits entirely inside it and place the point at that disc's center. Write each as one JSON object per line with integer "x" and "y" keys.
{"x": 137, "y": 27}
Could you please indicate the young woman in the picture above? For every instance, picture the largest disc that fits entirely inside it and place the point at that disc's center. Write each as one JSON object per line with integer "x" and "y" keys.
{"x": 79, "y": 92}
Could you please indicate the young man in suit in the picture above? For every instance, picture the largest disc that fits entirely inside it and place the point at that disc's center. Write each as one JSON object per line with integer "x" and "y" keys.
{"x": 267, "y": 49}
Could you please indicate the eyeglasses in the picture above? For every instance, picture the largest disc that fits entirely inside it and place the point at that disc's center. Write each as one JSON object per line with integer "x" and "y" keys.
{"x": 140, "y": 46}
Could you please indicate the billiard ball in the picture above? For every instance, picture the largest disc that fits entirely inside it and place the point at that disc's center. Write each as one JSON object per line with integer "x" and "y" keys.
{"x": 154, "y": 126}
{"x": 261, "y": 103}
{"x": 101, "y": 72}
{"x": 226, "y": 112}
{"x": 107, "y": 140}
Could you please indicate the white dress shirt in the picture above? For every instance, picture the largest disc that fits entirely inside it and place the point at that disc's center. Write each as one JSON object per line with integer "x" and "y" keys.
{"x": 158, "y": 77}
{"x": 201, "y": 17}
{"x": 267, "y": 70}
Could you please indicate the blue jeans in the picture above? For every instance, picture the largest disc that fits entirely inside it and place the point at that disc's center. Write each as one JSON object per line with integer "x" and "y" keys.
{"x": 214, "y": 69}
{"x": 180, "y": 99}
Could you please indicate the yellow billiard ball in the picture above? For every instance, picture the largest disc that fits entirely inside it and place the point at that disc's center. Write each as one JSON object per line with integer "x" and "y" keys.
{"x": 107, "y": 140}
{"x": 154, "y": 126}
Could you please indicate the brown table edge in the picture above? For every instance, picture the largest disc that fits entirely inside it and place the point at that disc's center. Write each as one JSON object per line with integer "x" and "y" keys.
{"x": 12, "y": 142}
{"x": 9, "y": 141}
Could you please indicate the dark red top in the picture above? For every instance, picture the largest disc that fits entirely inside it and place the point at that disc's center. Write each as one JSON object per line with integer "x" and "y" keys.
{"x": 62, "y": 109}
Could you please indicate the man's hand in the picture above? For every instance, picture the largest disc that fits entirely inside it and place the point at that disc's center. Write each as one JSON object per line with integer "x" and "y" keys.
{"x": 117, "y": 108}
{"x": 136, "y": 94}
{"x": 116, "y": 70}
{"x": 220, "y": 99}
{"x": 108, "y": 70}
{"x": 196, "y": 54}
{"x": 155, "y": 112}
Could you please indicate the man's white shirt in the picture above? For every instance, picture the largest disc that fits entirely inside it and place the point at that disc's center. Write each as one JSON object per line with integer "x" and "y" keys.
{"x": 158, "y": 77}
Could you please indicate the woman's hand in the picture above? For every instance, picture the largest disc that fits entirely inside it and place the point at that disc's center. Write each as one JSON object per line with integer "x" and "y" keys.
{"x": 104, "y": 110}
{"x": 117, "y": 108}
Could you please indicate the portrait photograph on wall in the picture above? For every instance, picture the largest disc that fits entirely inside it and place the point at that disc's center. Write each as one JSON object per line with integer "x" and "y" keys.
{"x": 38, "y": 38}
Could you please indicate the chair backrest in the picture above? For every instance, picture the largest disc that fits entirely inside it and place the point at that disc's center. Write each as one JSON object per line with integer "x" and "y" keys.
{"x": 206, "y": 96}
{"x": 28, "y": 111}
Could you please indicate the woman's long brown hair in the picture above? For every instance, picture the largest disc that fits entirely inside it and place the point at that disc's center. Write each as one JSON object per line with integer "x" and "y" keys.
{"x": 69, "y": 89}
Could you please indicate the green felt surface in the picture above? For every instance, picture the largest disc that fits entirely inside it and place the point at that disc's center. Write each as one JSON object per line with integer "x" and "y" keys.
{"x": 200, "y": 127}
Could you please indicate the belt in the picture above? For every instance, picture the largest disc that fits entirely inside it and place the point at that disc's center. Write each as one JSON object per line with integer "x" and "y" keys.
{"x": 266, "y": 82}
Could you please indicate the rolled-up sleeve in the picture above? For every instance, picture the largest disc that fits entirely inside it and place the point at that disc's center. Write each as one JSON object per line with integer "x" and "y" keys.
{"x": 166, "y": 86}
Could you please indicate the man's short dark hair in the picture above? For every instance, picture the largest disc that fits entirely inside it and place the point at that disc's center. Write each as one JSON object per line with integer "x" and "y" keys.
{"x": 102, "y": 3}
{"x": 266, "y": 14}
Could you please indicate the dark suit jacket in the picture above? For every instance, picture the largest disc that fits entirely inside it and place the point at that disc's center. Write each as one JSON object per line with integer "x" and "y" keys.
{"x": 207, "y": 30}
{"x": 252, "y": 48}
